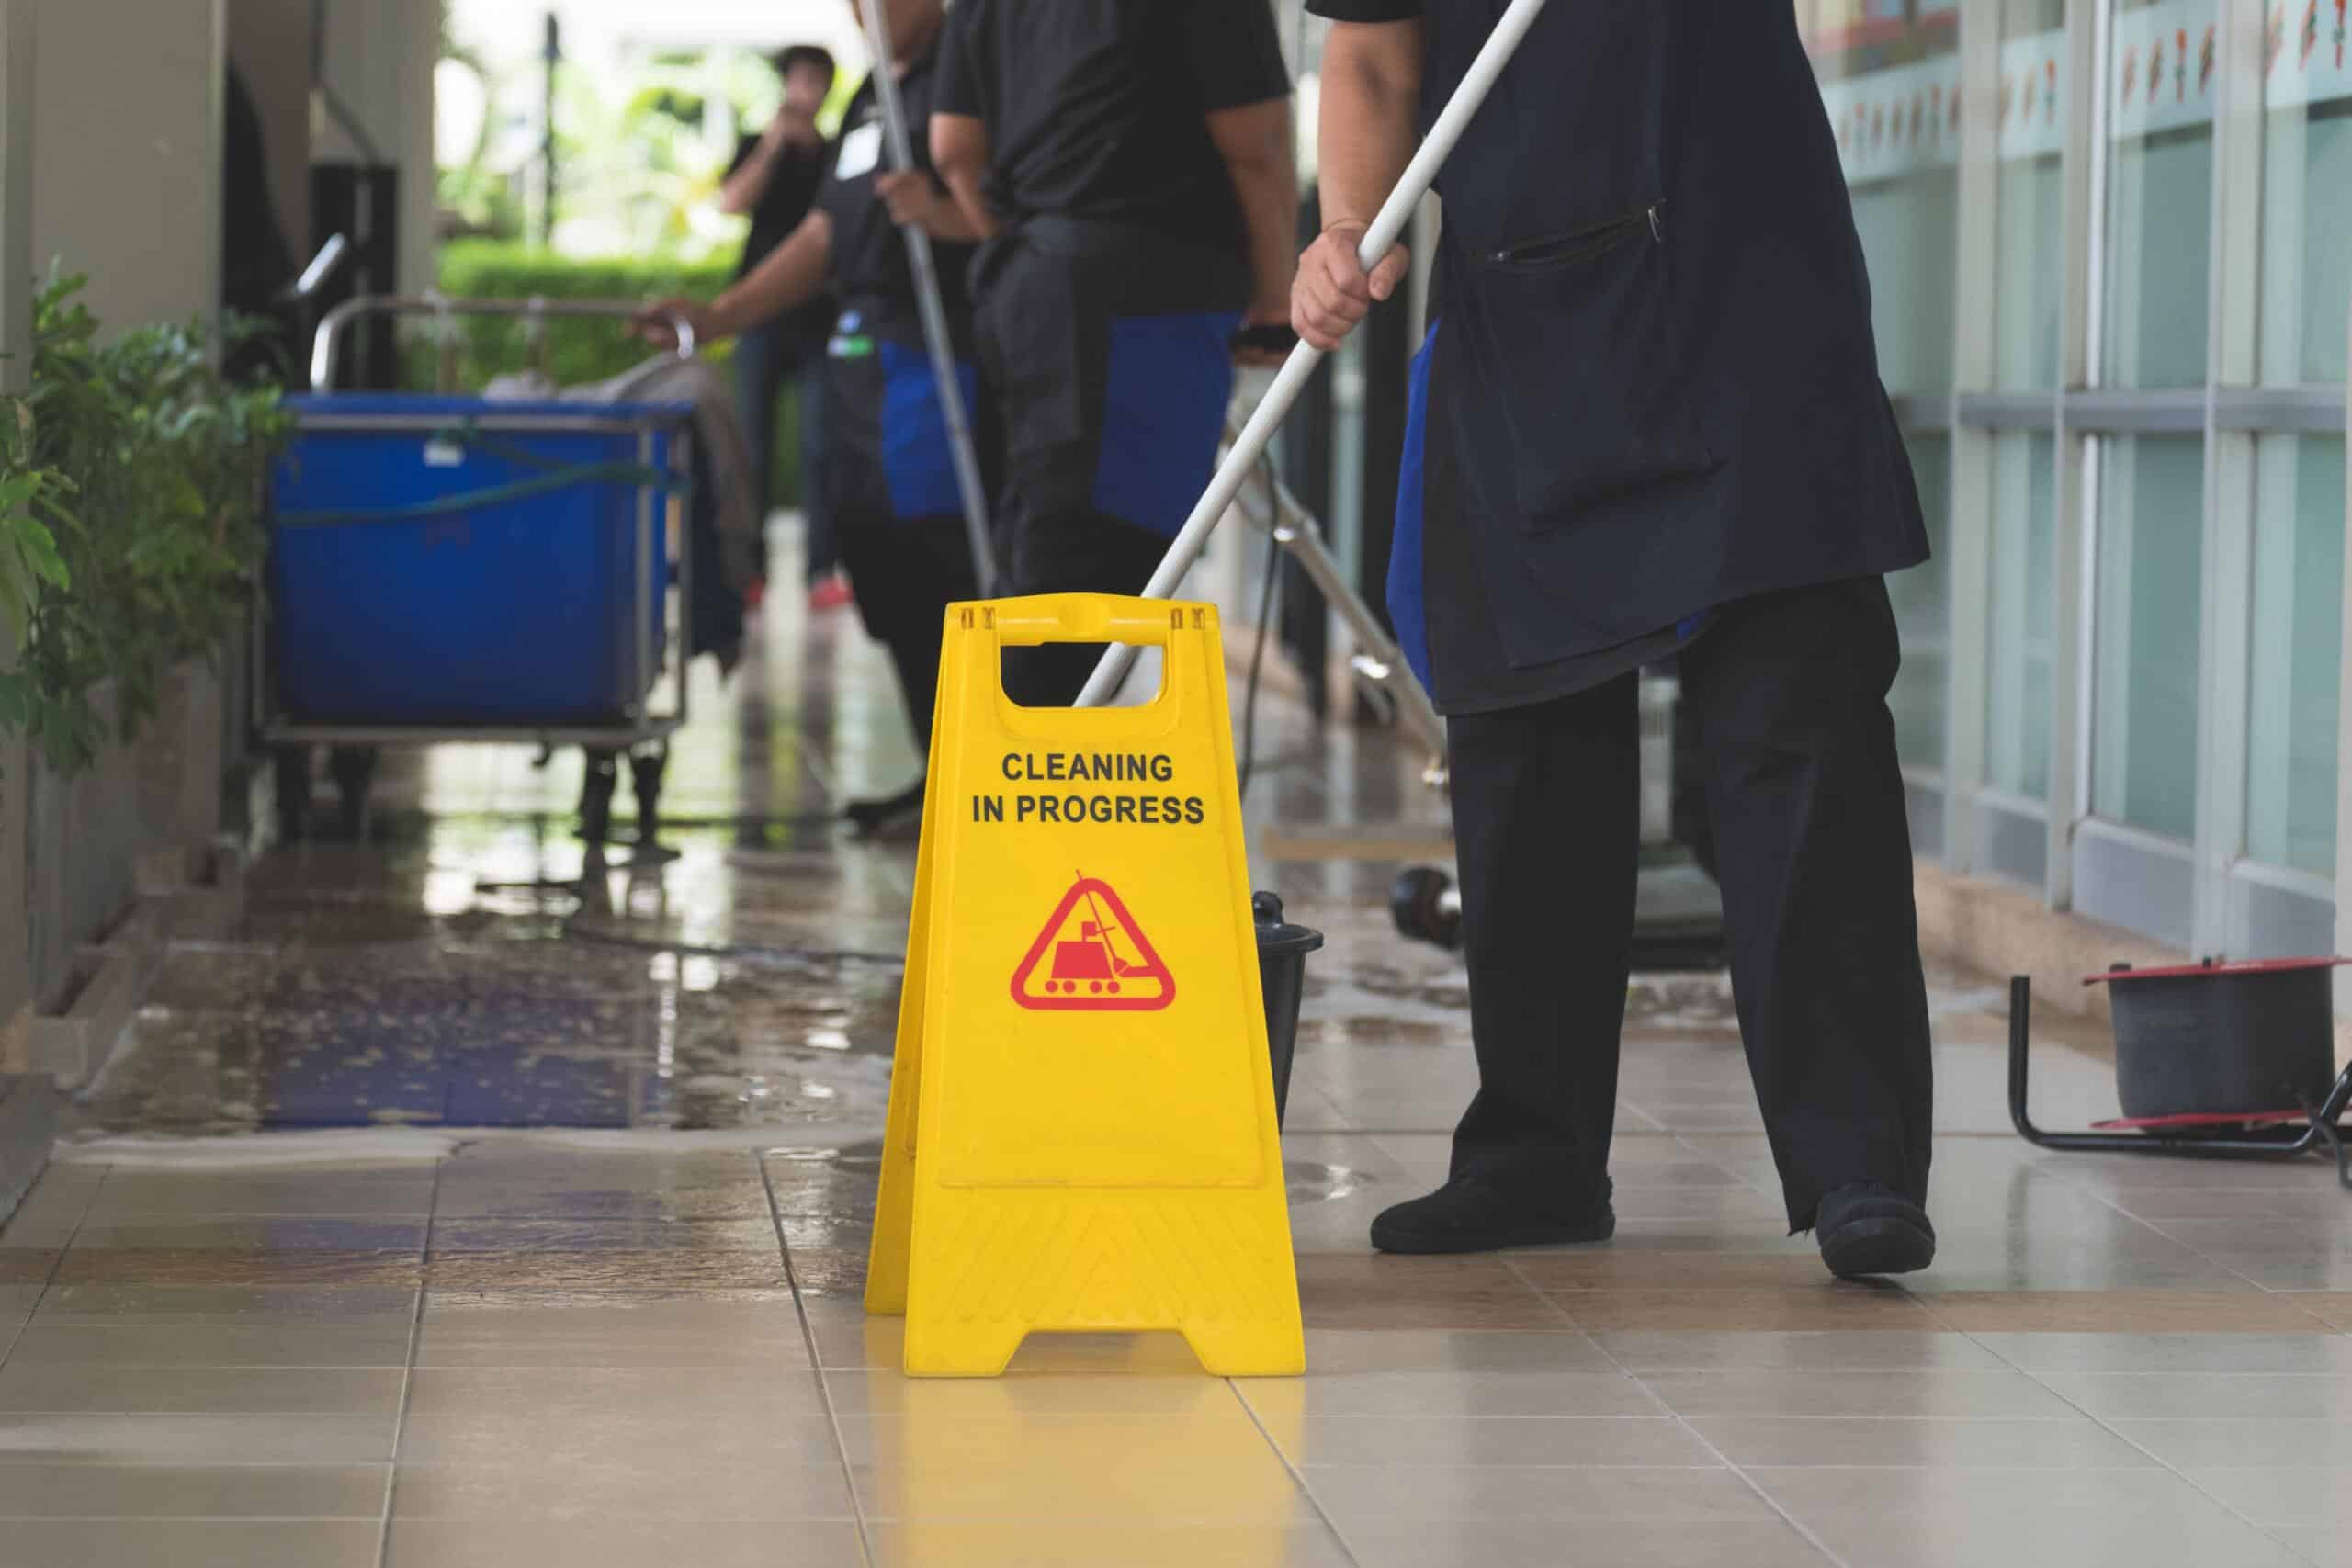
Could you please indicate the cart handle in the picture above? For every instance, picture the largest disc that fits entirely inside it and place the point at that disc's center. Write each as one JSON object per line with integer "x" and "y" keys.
{"x": 326, "y": 347}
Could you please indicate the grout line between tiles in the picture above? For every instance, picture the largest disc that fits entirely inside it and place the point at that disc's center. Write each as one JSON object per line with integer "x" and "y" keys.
{"x": 408, "y": 1375}
{"x": 2104, "y": 1425}
{"x": 50, "y": 1283}
{"x": 1682, "y": 1421}
{"x": 2107, "y": 1200}
{"x": 817, "y": 1364}
{"x": 1296, "y": 1474}
{"x": 185, "y": 1519}
{"x": 1682, "y": 1141}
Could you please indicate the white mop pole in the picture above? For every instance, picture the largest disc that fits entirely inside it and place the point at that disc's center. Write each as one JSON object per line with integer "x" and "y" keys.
{"x": 934, "y": 315}
{"x": 1397, "y": 211}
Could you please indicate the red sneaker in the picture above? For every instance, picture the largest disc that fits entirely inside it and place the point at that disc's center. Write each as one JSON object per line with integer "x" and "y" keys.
{"x": 756, "y": 595}
{"x": 832, "y": 593}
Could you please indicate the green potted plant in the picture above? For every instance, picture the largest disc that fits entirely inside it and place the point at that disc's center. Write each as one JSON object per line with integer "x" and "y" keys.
{"x": 144, "y": 468}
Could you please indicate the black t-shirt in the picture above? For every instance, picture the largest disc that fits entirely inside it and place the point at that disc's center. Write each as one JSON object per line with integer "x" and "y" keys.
{"x": 1095, "y": 108}
{"x": 1366, "y": 10}
{"x": 870, "y": 272}
{"x": 793, "y": 181}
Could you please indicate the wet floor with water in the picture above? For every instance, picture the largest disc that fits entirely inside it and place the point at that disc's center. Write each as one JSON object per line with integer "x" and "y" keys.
{"x": 482, "y": 1203}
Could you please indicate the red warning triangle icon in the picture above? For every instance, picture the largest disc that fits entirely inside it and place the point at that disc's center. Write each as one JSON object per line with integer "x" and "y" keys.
{"x": 1092, "y": 957}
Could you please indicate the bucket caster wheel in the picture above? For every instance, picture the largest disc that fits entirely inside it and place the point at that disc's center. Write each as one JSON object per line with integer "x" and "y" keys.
{"x": 1426, "y": 907}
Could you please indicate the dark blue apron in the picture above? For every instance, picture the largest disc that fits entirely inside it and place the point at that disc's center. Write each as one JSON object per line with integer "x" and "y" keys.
{"x": 1660, "y": 379}
{"x": 888, "y": 421}
{"x": 1111, "y": 350}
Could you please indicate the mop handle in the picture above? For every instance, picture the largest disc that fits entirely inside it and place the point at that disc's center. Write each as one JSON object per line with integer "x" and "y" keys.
{"x": 969, "y": 483}
{"x": 1250, "y": 445}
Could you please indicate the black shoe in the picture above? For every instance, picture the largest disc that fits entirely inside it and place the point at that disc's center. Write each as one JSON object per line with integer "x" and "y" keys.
{"x": 1866, "y": 1230}
{"x": 871, "y": 819}
{"x": 1469, "y": 1216}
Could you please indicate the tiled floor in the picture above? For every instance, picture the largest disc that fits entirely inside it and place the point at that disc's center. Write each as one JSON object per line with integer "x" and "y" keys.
{"x": 427, "y": 1320}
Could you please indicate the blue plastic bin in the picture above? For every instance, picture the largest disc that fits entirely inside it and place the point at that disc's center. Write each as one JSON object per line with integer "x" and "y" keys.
{"x": 519, "y": 612}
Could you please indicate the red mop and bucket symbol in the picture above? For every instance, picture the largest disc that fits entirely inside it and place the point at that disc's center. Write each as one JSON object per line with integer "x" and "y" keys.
{"x": 1092, "y": 957}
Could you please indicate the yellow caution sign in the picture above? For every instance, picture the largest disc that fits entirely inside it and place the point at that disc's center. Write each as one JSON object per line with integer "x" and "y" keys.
{"x": 1082, "y": 1134}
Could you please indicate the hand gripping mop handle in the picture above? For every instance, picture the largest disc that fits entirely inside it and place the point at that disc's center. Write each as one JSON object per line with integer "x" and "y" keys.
{"x": 934, "y": 315}
{"x": 1247, "y": 447}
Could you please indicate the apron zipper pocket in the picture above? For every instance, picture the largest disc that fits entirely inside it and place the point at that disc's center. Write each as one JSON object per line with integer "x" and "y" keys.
{"x": 1585, "y": 244}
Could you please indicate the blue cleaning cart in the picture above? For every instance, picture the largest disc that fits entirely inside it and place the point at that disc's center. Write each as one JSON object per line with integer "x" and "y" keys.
{"x": 458, "y": 569}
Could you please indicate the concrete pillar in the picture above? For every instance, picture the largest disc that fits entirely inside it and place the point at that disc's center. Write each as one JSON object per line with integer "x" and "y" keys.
{"x": 16, "y": 193}
{"x": 15, "y": 372}
{"x": 128, "y": 187}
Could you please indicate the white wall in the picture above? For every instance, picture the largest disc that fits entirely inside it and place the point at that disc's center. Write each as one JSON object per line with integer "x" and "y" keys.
{"x": 127, "y": 119}
{"x": 17, "y": 36}
{"x": 15, "y": 330}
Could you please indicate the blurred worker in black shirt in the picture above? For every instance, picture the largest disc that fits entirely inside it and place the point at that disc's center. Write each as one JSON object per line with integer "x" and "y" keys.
{"x": 1130, "y": 162}
{"x": 890, "y": 479}
{"x": 774, "y": 182}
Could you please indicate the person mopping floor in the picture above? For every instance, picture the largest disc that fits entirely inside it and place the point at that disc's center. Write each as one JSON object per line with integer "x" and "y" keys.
{"x": 889, "y": 473}
{"x": 1648, "y": 419}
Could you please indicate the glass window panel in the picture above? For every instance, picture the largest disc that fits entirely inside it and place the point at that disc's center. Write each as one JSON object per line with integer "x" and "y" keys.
{"x": 2292, "y": 708}
{"x": 2149, "y": 612}
{"x": 2306, "y": 218}
{"x": 2030, "y": 213}
{"x": 2160, "y": 191}
{"x": 2017, "y": 695}
{"x": 1890, "y": 74}
{"x": 1923, "y": 610}
{"x": 1910, "y": 230}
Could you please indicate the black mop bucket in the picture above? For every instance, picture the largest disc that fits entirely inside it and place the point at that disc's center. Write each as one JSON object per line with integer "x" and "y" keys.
{"x": 2222, "y": 1043}
{"x": 1282, "y": 978}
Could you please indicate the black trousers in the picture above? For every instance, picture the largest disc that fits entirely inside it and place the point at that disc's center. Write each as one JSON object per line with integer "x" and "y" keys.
{"x": 1788, "y": 693}
{"x": 906, "y": 572}
{"x": 1072, "y": 549}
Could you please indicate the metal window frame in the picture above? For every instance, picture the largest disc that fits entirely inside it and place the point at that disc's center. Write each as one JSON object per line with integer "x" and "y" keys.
{"x": 1974, "y": 363}
{"x": 2265, "y": 410}
{"x": 2082, "y": 354}
{"x": 2225, "y": 660}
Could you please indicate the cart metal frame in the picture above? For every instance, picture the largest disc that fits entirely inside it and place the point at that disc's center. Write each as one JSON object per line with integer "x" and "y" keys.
{"x": 2323, "y": 1135}
{"x": 642, "y": 725}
